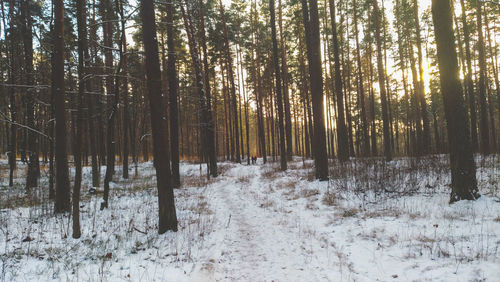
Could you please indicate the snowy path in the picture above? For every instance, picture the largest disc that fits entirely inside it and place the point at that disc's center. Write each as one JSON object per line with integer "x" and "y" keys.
{"x": 257, "y": 243}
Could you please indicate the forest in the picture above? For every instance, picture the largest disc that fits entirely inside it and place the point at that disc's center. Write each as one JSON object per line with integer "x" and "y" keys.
{"x": 250, "y": 140}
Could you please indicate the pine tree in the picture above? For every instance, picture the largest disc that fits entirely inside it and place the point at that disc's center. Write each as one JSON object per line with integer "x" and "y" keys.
{"x": 463, "y": 170}
{"x": 166, "y": 205}
{"x": 62, "y": 202}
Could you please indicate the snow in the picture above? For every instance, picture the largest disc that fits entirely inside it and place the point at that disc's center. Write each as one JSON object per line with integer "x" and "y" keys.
{"x": 256, "y": 223}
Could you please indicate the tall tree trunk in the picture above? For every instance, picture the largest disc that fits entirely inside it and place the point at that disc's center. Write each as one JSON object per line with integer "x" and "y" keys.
{"x": 13, "y": 107}
{"x": 361, "y": 93}
{"x": 279, "y": 99}
{"x": 112, "y": 96}
{"x": 166, "y": 205}
{"x": 483, "y": 110}
{"x": 373, "y": 134}
{"x": 426, "y": 137}
{"x": 415, "y": 102}
{"x": 83, "y": 86}
{"x": 229, "y": 63}
{"x": 463, "y": 170}
{"x": 286, "y": 99}
{"x": 311, "y": 26}
{"x": 32, "y": 140}
{"x": 381, "y": 81}
{"x": 469, "y": 81}
{"x": 91, "y": 111}
{"x": 495, "y": 71}
{"x": 342, "y": 137}
{"x": 256, "y": 67}
{"x": 125, "y": 114}
{"x": 172, "y": 95}
{"x": 210, "y": 145}
{"x": 62, "y": 202}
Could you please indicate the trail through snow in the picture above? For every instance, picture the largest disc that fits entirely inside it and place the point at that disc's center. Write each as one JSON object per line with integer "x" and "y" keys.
{"x": 256, "y": 245}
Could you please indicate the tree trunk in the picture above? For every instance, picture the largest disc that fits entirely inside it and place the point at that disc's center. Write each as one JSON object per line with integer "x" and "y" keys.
{"x": 342, "y": 137}
{"x": 91, "y": 111}
{"x": 172, "y": 95}
{"x": 279, "y": 98}
{"x": 32, "y": 139}
{"x": 62, "y": 202}
{"x": 364, "y": 123}
{"x": 210, "y": 146}
{"x": 381, "y": 81}
{"x": 311, "y": 26}
{"x": 13, "y": 107}
{"x": 125, "y": 114}
{"x": 286, "y": 100}
{"x": 166, "y": 205}
{"x": 483, "y": 118}
{"x": 83, "y": 86}
{"x": 229, "y": 63}
{"x": 463, "y": 170}
{"x": 468, "y": 80}
{"x": 112, "y": 96}
{"x": 426, "y": 137}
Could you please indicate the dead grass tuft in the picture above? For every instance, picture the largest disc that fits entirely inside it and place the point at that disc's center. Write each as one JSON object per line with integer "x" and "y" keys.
{"x": 306, "y": 193}
{"x": 330, "y": 199}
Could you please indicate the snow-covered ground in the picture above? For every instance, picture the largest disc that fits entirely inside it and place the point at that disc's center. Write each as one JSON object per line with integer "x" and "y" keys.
{"x": 255, "y": 223}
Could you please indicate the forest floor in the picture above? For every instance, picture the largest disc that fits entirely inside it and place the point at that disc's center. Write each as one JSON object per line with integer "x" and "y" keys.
{"x": 371, "y": 222}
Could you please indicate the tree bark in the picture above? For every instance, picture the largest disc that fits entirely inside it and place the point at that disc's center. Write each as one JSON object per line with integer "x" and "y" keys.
{"x": 229, "y": 63}
{"x": 210, "y": 127}
{"x": 286, "y": 99}
{"x": 426, "y": 137}
{"x": 483, "y": 110}
{"x": 381, "y": 81}
{"x": 166, "y": 205}
{"x": 364, "y": 123}
{"x": 62, "y": 202}
{"x": 342, "y": 137}
{"x": 469, "y": 82}
{"x": 83, "y": 86}
{"x": 279, "y": 98}
{"x": 311, "y": 26}
{"x": 463, "y": 170}
{"x": 32, "y": 138}
{"x": 111, "y": 95}
{"x": 172, "y": 95}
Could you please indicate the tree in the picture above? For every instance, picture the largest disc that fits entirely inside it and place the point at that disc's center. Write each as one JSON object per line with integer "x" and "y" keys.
{"x": 463, "y": 170}
{"x": 361, "y": 93}
{"x": 91, "y": 109}
{"x": 83, "y": 86}
{"x": 342, "y": 137}
{"x": 210, "y": 146}
{"x": 166, "y": 205}
{"x": 381, "y": 81}
{"x": 468, "y": 78}
{"x": 172, "y": 95}
{"x": 112, "y": 93}
{"x": 13, "y": 105}
{"x": 62, "y": 202}
{"x": 279, "y": 98}
{"x": 126, "y": 114}
{"x": 311, "y": 27}
{"x": 426, "y": 137}
{"x": 286, "y": 99}
{"x": 483, "y": 110}
{"x": 229, "y": 66}
{"x": 32, "y": 140}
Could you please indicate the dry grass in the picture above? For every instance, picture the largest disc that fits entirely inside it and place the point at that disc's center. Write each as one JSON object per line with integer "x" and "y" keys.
{"x": 306, "y": 193}
{"x": 330, "y": 199}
